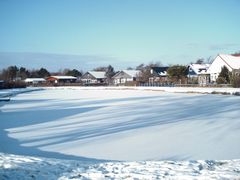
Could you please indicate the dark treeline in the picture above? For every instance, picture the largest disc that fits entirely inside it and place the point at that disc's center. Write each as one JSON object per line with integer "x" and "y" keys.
{"x": 17, "y": 75}
{"x": 13, "y": 76}
{"x": 13, "y": 73}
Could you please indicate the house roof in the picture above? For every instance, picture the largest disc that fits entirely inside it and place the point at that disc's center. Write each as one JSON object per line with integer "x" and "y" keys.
{"x": 199, "y": 68}
{"x": 98, "y": 74}
{"x": 64, "y": 77}
{"x": 231, "y": 60}
{"x": 34, "y": 80}
{"x": 161, "y": 71}
{"x": 132, "y": 73}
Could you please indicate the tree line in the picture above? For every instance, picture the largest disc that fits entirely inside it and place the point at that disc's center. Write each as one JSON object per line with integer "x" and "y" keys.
{"x": 176, "y": 73}
{"x": 13, "y": 73}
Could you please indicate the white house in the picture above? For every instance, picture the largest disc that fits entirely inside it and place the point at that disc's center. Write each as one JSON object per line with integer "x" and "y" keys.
{"x": 34, "y": 80}
{"x": 230, "y": 61}
{"x": 196, "y": 69}
{"x": 158, "y": 74}
{"x": 197, "y": 73}
{"x": 125, "y": 76}
{"x": 94, "y": 77}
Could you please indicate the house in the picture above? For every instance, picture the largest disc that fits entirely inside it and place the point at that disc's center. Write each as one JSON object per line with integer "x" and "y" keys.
{"x": 125, "y": 76}
{"x": 232, "y": 62}
{"x": 195, "y": 72}
{"x": 158, "y": 74}
{"x": 34, "y": 80}
{"x": 94, "y": 77}
{"x": 61, "y": 79}
{"x": 203, "y": 79}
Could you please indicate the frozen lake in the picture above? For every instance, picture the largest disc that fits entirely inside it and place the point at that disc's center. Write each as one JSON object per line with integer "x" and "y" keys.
{"x": 121, "y": 125}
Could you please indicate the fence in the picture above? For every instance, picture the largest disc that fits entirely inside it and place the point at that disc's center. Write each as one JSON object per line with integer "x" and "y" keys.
{"x": 183, "y": 85}
{"x": 157, "y": 84}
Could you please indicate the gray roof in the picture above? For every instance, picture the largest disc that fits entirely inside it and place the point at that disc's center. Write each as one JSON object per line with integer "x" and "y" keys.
{"x": 98, "y": 74}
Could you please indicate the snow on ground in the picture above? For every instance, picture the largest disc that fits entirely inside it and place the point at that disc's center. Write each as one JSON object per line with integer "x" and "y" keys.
{"x": 25, "y": 167}
{"x": 121, "y": 125}
{"x": 99, "y": 126}
{"x": 7, "y": 93}
{"x": 201, "y": 90}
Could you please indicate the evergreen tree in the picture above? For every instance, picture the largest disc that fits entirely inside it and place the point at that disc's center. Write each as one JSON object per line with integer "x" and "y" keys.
{"x": 224, "y": 76}
{"x": 177, "y": 72}
{"x": 235, "y": 80}
{"x": 43, "y": 73}
{"x": 110, "y": 72}
{"x": 23, "y": 73}
{"x": 12, "y": 72}
{"x": 74, "y": 73}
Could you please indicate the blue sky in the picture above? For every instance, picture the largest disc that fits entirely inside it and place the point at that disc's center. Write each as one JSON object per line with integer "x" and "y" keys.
{"x": 124, "y": 31}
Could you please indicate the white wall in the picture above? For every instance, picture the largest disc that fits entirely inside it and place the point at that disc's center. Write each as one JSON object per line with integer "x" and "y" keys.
{"x": 122, "y": 80}
{"x": 216, "y": 68}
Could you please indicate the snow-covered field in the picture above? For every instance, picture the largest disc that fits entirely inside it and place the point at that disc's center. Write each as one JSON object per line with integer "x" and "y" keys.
{"x": 6, "y": 94}
{"x": 104, "y": 126}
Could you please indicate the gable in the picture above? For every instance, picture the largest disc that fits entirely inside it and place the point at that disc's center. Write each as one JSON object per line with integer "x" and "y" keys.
{"x": 217, "y": 65}
{"x": 232, "y": 61}
{"x": 98, "y": 74}
{"x": 121, "y": 74}
{"x": 191, "y": 71}
{"x": 132, "y": 73}
{"x": 87, "y": 75}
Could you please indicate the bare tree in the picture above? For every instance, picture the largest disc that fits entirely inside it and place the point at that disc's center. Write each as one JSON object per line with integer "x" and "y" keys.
{"x": 199, "y": 61}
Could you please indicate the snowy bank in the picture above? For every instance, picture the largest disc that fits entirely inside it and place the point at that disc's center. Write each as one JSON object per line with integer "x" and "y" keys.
{"x": 201, "y": 90}
{"x": 26, "y": 167}
{"x": 13, "y": 92}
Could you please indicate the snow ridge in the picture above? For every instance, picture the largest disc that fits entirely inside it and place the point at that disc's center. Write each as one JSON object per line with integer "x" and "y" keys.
{"x": 26, "y": 167}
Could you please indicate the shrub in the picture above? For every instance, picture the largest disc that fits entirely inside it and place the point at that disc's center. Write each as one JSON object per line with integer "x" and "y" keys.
{"x": 235, "y": 81}
{"x": 221, "y": 80}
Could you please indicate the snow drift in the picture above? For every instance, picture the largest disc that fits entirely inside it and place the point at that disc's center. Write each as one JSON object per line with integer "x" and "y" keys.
{"x": 25, "y": 167}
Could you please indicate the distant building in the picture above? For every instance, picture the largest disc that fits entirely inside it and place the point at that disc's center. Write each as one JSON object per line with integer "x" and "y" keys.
{"x": 34, "y": 80}
{"x": 61, "y": 79}
{"x": 203, "y": 79}
{"x": 94, "y": 77}
{"x": 230, "y": 61}
{"x": 158, "y": 74}
{"x": 196, "y": 73}
{"x": 125, "y": 76}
